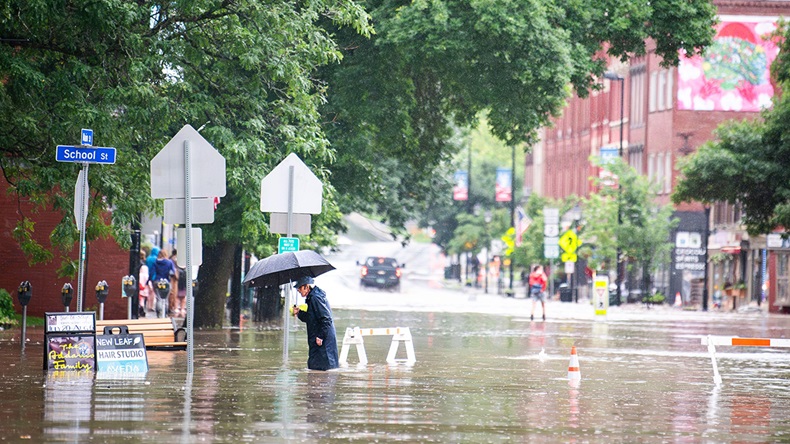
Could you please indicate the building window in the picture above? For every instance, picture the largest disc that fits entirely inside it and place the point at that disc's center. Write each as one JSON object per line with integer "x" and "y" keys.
{"x": 651, "y": 165}
{"x": 652, "y": 92}
{"x": 670, "y": 85}
{"x": 782, "y": 278}
{"x": 659, "y": 169}
{"x": 637, "y": 111}
{"x": 661, "y": 90}
{"x": 668, "y": 172}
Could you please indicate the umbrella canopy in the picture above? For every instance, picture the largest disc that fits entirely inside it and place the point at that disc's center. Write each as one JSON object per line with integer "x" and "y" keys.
{"x": 279, "y": 269}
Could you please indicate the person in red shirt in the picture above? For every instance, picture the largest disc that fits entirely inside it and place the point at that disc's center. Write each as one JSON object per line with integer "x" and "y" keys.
{"x": 537, "y": 289}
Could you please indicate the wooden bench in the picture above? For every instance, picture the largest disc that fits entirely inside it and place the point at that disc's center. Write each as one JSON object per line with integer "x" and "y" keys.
{"x": 159, "y": 333}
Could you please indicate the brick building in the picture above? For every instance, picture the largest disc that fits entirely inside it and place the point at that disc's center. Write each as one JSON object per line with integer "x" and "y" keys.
{"x": 668, "y": 113}
{"x": 105, "y": 260}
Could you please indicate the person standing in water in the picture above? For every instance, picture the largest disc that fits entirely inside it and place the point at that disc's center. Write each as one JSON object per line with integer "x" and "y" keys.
{"x": 321, "y": 336}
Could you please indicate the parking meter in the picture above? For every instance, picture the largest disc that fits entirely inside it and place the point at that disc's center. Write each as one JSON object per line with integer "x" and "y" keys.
{"x": 128, "y": 284}
{"x": 24, "y": 293}
{"x": 129, "y": 289}
{"x": 66, "y": 294}
{"x": 162, "y": 288}
{"x": 102, "y": 290}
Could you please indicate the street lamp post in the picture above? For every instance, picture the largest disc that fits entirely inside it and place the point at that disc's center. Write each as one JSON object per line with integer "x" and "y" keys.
{"x": 614, "y": 76}
{"x": 488, "y": 246}
{"x": 705, "y": 278}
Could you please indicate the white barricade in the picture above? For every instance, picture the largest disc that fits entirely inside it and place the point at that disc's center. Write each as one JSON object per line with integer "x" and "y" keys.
{"x": 732, "y": 341}
{"x": 354, "y": 336}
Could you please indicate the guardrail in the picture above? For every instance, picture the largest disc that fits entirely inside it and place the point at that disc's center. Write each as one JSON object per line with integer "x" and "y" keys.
{"x": 399, "y": 335}
{"x": 734, "y": 341}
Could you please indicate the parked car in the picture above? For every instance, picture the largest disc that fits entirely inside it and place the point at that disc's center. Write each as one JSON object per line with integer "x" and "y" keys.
{"x": 381, "y": 272}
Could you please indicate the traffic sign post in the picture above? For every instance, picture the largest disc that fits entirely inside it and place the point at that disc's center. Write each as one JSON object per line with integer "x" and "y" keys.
{"x": 284, "y": 176}
{"x": 172, "y": 170}
{"x": 85, "y": 154}
{"x": 601, "y": 295}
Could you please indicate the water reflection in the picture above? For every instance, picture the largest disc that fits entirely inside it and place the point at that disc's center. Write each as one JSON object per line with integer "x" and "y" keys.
{"x": 68, "y": 399}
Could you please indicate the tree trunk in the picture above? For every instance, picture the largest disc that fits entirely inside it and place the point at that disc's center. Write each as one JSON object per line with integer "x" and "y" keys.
{"x": 213, "y": 285}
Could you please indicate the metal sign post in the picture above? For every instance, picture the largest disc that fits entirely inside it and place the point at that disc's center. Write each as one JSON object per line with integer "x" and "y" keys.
{"x": 82, "y": 189}
{"x": 84, "y": 154}
{"x": 289, "y": 290}
{"x": 172, "y": 170}
{"x": 188, "y": 214}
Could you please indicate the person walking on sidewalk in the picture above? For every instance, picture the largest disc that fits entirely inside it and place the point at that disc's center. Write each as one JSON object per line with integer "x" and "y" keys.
{"x": 537, "y": 289}
{"x": 321, "y": 337}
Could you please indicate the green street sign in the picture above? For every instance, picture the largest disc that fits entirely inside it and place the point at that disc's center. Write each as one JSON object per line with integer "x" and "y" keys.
{"x": 288, "y": 244}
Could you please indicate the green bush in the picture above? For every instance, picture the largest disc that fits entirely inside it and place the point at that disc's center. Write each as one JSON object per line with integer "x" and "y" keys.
{"x": 6, "y": 304}
{"x": 7, "y": 312}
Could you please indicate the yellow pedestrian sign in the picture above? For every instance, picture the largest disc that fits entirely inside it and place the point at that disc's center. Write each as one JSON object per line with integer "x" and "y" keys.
{"x": 601, "y": 295}
{"x": 569, "y": 242}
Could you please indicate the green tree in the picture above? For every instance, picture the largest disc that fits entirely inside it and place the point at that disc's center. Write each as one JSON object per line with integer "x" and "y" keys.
{"x": 437, "y": 65}
{"x": 642, "y": 232}
{"x": 136, "y": 72}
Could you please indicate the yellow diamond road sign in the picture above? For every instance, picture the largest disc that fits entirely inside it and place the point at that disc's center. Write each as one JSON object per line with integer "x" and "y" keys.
{"x": 568, "y": 257}
{"x": 569, "y": 242}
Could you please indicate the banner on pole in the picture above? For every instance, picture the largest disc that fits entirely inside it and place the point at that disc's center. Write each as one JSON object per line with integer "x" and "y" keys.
{"x": 503, "y": 190}
{"x": 461, "y": 188}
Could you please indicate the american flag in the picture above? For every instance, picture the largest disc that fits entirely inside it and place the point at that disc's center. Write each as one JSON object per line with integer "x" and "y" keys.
{"x": 522, "y": 223}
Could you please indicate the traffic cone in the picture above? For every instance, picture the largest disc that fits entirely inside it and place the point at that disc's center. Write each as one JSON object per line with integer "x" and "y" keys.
{"x": 574, "y": 374}
{"x": 678, "y": 301}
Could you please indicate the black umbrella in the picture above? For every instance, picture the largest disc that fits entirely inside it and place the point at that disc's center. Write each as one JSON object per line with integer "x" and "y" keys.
{"x": 279, "y": 269}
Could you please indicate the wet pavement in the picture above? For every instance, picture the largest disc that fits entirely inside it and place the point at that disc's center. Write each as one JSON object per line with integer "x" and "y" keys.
{"x": 491, "y": 376}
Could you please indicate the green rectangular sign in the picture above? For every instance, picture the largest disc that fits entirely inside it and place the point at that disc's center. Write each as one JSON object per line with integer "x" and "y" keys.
{"x": 288, "y": 244}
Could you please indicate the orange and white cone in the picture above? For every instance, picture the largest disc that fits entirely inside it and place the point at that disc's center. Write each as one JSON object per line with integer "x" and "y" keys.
{"x": 678, "y": 300}
{"x": 574, "y": 374}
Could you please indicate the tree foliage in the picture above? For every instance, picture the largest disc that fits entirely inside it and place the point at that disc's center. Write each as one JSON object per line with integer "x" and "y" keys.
{"x": 642, "y": 230}
{"x": 136, "y": 72}
{"x": 436, "y": 65}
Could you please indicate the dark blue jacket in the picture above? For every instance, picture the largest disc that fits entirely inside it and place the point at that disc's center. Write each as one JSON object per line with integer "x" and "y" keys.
{"x": 319, "y": 325}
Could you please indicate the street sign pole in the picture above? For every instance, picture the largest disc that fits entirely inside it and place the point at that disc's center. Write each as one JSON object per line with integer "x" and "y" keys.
{"x": 188, "y": 215}
{"x": 81, "y": 224}
{"x": 289, "y": 290}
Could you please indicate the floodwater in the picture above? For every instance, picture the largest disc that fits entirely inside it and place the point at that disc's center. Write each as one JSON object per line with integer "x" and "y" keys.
{"x": 478, "y": 378}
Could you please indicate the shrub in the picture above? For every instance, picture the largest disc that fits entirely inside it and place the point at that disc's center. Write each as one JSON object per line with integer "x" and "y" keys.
{"x": 7, "y": 312}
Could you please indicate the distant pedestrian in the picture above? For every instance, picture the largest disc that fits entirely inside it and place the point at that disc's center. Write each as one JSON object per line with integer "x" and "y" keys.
{"x": 172, "y": 298}
{"x": 321, "y": 337}
{"x": 537, "y": 289}
{"x": 144, "y": 293}
{"x": 163, "y": 269}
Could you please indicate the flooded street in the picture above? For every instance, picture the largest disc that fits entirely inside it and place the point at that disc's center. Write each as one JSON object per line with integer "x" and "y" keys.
{"x": 484, "y": 373}
{"x": 478, "y": 378}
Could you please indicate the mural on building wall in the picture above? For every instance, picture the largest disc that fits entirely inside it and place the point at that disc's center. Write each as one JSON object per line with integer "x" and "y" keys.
{"x": 734, "y": 74}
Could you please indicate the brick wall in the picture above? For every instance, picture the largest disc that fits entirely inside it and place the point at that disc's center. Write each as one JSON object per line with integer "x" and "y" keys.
{"x": 105, "y": 261}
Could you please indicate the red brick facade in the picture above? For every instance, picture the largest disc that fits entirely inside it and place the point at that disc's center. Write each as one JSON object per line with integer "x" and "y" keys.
{"x": 105, "y": 261}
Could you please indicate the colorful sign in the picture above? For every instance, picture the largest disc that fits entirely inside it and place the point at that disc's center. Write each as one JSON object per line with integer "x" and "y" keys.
{"x": 734, "y": 73}
{"x": 503, "y": 190}
{"x": 461, "y": 188}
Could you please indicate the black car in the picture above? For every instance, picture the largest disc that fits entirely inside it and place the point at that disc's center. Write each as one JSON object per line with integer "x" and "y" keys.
{"x": 382, "y": 272}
